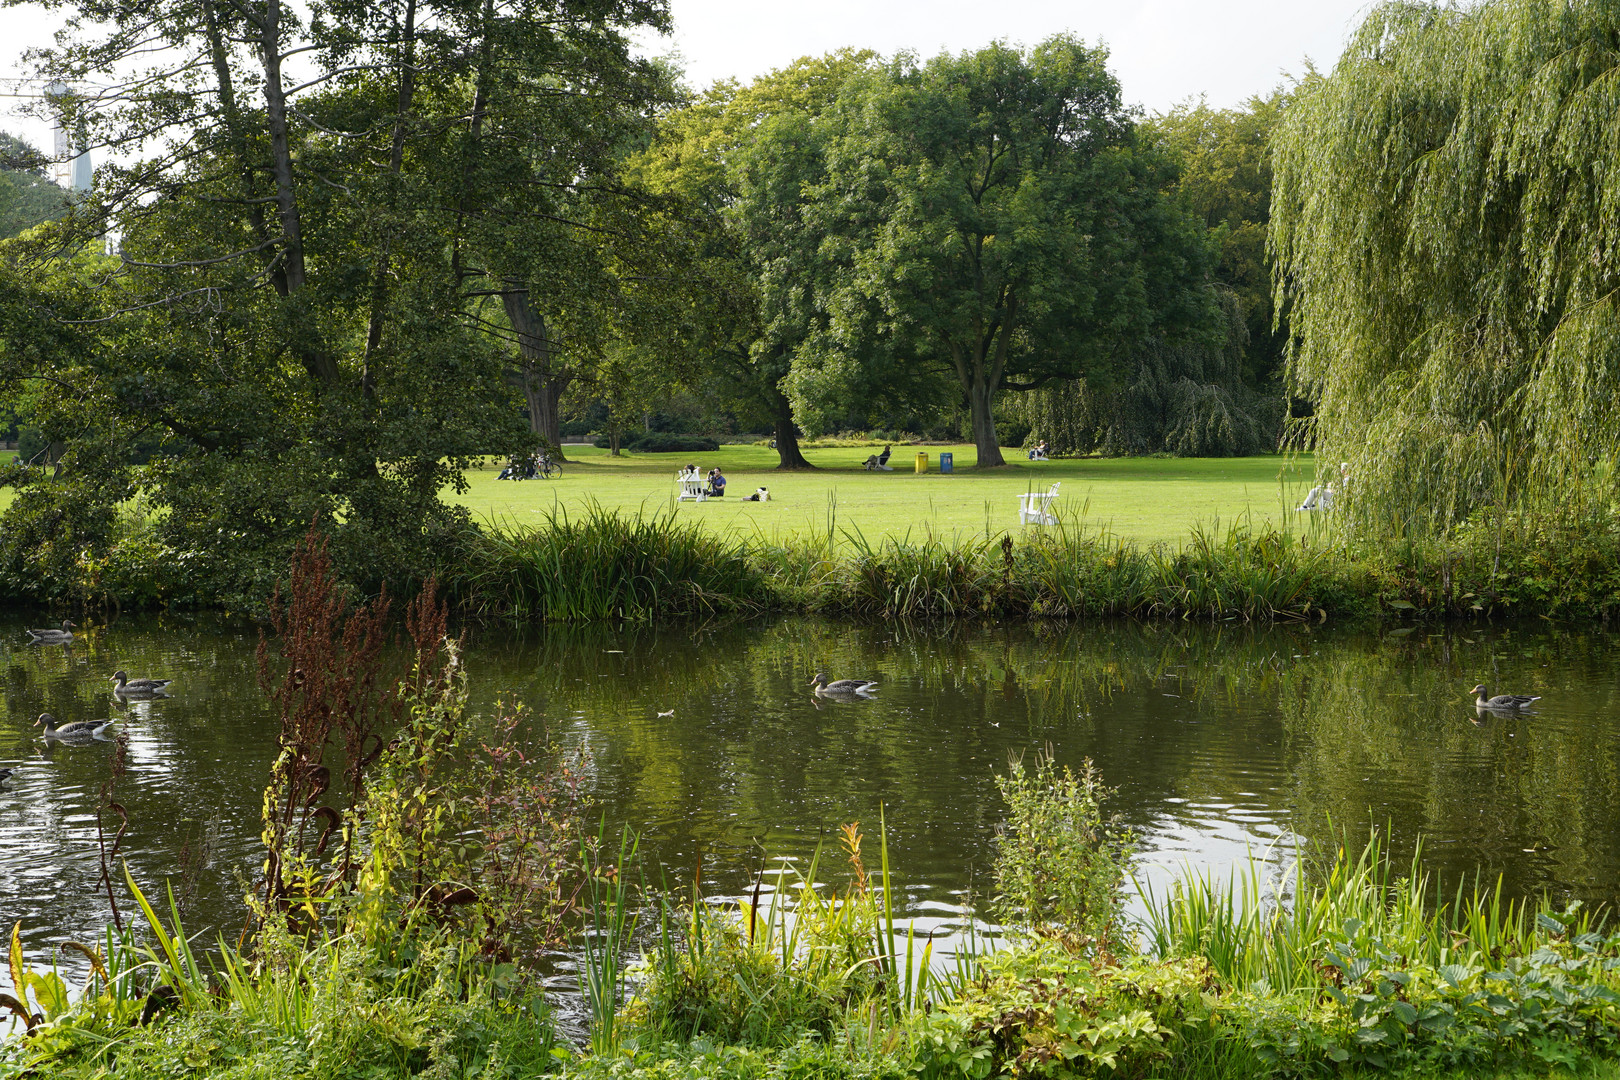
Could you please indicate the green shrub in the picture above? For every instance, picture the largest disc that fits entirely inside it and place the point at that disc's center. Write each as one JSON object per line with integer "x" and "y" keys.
{"x": 808, "y": 1058}
{"x": 57, "y": 536}
{"x": 330, "y": 1011}
{"x": 1060, "y": 865}
{"x": 1369, "y": 969}
{"x": 721, "y": 985}
{"x": 1040, "y": 1011}
{"x": 663, "y": 442}
{"x": 766, "y": 976}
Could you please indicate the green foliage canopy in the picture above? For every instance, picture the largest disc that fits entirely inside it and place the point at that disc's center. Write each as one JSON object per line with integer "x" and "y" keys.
{"x": 1214, "y": 394}
{"x": 300, "y": 303}
{"x": 991, "y": 215}
{"x": 1446, "y": 224}
{"x": 27, "y": 196}
{"x": 736, "y": 165}
{"x": 1223, "y": 178}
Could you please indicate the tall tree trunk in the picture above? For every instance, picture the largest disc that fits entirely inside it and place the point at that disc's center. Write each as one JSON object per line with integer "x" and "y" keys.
{"x": 475, "y": 134}
{"x": 981, "y": 399}
{"x": 787, "y": 439}
{"x": 543, "y": 381}
{"x": 980, "y": 374}
{"x": 319, "y": 362}
{"x": 225, "y": 85}
{"x": 404, "y": 100}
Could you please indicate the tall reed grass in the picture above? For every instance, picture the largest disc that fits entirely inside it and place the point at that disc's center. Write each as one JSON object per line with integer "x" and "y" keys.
{"x": 1355, "y": 905}
{"x": 1069, "y": 570}
{"x": 805, "y": 958}
{"x": 602, "y": 565}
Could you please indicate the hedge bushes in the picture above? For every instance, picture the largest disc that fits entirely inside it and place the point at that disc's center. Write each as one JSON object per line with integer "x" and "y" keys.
{"x": 663, "y": 442}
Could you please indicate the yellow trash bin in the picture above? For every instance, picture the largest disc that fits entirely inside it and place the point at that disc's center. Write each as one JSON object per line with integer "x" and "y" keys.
{"x": 922, "y": 462}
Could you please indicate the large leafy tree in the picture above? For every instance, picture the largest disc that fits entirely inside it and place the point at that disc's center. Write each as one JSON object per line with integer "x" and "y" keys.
{"x": 736, "y": 165}
{"x": 1223, "y": 178}
{"x": 1211, "y": 396}
{"x": 991, "y": 215}
{"x": 1446, "y": 229}
{"x": 27, "y": 195}
{"x": 316, "y": 207}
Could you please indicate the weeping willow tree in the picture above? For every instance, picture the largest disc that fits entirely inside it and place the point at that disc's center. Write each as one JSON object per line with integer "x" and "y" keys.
{"x": 1446, "y": 228}
{"x": 1187, "y": 398}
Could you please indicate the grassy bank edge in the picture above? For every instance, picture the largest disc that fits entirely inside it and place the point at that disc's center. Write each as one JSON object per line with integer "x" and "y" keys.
{"x": 610, "y": 564}
{"x": 604, "y": 564}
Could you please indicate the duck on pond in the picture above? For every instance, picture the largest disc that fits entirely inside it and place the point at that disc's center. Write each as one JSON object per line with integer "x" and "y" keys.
{"x": 78, "y": 729}
{"x": 52, "y": 637}
{"x": 842, "y": 687}
{"x": 128, "y": 687}
{"x": 1501, "y": 702}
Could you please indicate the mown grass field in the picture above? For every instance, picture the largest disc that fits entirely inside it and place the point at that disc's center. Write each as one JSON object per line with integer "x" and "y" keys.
{"x": 1143, "y": 499}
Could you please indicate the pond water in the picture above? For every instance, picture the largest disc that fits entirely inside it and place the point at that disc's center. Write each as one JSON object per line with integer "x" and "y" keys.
{"x": 1221, "y": 740}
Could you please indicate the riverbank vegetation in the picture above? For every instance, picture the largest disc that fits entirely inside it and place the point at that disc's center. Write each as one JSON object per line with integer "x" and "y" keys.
{"x": 416, "y": 888}
{"x": 674, "y": 567}
{"x": 1338, "y": 965}
{"x": 600, "y": 564}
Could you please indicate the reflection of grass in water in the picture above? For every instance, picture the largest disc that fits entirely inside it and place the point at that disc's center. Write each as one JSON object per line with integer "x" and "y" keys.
{"x": 1345, "y": 721}
{"x": 1389, "y": 723}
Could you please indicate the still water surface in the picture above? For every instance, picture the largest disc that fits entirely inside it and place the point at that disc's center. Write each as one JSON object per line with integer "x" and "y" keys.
{"x": 1221, "y": 740}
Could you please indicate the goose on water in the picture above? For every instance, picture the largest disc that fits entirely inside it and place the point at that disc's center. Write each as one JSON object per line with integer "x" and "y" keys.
{"x": 53, "y": 637}
{"x": 1502, "y": 702}
{"x": 842, "y": 687}
{"x": 5, "y": 774}
{"x": 128, "y": 687}
{"x": 78, "y": 729}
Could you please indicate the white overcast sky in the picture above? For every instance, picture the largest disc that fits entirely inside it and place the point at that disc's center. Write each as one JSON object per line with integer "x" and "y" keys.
{"x": 1164, "y": 51}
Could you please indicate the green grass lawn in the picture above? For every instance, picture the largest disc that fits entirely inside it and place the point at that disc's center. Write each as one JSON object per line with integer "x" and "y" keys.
{"x": 1142, "y": 499}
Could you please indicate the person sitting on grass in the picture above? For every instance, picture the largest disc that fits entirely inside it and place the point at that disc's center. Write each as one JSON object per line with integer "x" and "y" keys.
{"x": 759, "y": 495}
{"x": 717, "y": 483}
{"x": 883, "y": 459}
{"x": 519, "y": 468}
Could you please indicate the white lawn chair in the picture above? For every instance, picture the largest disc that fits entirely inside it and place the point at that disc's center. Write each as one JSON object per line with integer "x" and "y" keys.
{"x": 1035, "y": 507}
{"x": 692, "y": 487}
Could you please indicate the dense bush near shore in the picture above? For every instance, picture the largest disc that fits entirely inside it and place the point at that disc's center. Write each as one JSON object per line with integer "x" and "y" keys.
{"x": 602, "y": 565}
